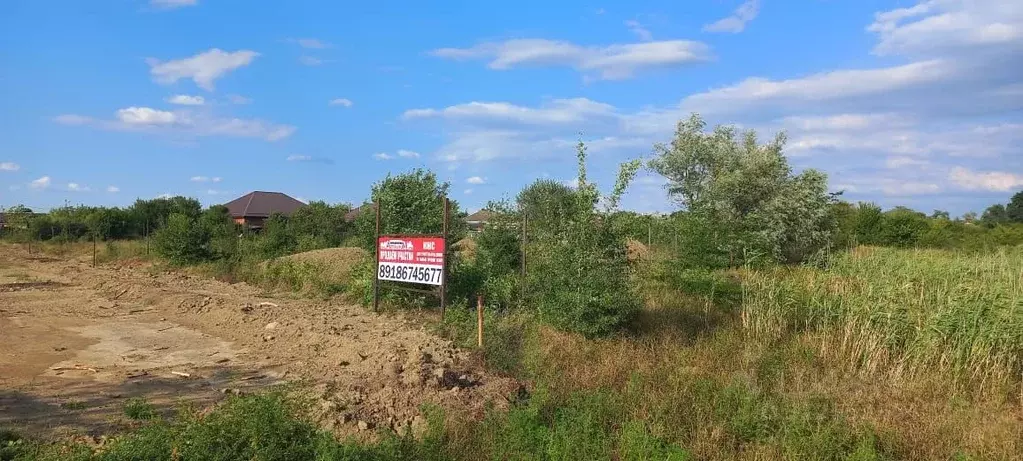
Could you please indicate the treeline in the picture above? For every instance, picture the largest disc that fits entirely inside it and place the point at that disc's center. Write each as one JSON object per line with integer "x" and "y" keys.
{"x": 72, "y": 223}
{"x": 742, "y": 205}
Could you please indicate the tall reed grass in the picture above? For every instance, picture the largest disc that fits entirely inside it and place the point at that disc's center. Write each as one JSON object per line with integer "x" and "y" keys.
{"x": 901, "y": 312}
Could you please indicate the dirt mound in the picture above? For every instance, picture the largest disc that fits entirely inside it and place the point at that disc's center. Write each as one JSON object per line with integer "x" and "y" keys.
{"x": 335, "y": 264}
{"x": 98, "y": 336}
{"x": 636, "y": 250}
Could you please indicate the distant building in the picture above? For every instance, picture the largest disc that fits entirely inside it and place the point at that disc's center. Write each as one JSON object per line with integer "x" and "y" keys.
{"x": 479, "y": 219}
{"x": 364, "y": 208}
{"x": 252, "y": 209}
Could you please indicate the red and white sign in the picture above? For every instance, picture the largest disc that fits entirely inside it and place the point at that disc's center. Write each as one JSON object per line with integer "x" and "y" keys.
{"x": 411, "y": 259}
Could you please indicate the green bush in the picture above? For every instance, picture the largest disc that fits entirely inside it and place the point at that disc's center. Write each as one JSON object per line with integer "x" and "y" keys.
{"x": 579, "y": 275}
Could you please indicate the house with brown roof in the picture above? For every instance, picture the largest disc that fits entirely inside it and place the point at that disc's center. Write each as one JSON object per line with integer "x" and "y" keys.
{"x": 252, "y": 209}
{"x": 478, "y": 219}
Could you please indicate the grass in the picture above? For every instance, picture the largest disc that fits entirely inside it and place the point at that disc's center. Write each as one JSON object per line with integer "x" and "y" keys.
{"x": 883, "y": 354}
{"x": 261, "y": 427}
{"x": 898, "y": 314}
{"x": 139, "y": 409}
{"x": 745, "y": 365}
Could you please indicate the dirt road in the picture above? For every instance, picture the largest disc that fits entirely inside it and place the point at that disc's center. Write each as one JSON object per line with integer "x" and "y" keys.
{"x": 76, "y": 341}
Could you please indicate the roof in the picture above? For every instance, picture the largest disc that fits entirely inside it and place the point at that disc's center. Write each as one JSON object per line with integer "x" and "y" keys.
{"x": 259, "y": 204}
{"x": 351, "y": 215}
{"x": 480, "y": 216}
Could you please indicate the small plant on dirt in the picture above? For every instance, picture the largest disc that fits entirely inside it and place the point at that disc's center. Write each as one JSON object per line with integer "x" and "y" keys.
{"x": 139, "y": 409}
{"x": 73, "y": 405}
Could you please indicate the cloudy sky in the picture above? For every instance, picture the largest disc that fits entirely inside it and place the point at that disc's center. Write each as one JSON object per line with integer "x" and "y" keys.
{"x": 919, "y": 104}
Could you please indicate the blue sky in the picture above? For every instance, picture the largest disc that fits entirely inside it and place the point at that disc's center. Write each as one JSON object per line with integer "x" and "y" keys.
{"x": 912, "y": 103}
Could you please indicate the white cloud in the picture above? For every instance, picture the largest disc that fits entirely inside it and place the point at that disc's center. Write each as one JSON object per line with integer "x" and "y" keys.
{"x": 889, "y": 133}
{"x": 341, "y": 102}
{"x": 75, "y": 187}
{"x": 113, "y": 189}
{"x": 407, "y": 153}
{"x": 204, "y": 68}
{"x": 217, "y": 192}
{"x": 310, "y": 43}
{"x": 205, "y": 179}
{"x": 1000, "y": 181}
{"x": 737, "y": 21}
{"x": 73, "y": 119}
{"x": 165, "y": 196}
{"x": 41, "y": 183}
{"x": 940, "y": 26}
{"x": 556, "y": 111}
{"x": 9, "y": 166}
{"x": 145, "y": 116}
{"x": 238, "y": 99}
{"x": 612, "y": 62}
{"x": 467, "y": 192}
{"x": 901, "y": 161}
{"x": 637, "y": 28}
{"x": 186, "y": 100}
{"x": 171, "y": 4}
{"x": 899, "y": 188}
{"x": 299, "y": 158}
{"x": 184, "y": 123}
{"x": 475, "y": 180}
{"x": 310, "y": 60}
{"x": 819, "y": 88}
{"x": 382, "y": 156}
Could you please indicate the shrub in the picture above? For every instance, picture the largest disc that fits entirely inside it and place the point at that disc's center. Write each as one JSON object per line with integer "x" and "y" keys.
{"x": 759, "y": 209}
{"x": 579, "y": 276}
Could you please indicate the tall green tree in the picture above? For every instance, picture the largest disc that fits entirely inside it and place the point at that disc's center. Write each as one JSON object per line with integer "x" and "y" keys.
{"x": 1014, "y": 210}
{"x": 994, "y": 215}
{"x": 579, "y": 276}
{"x": 760, "y": 209}
{"x": 547, "y": 206}
{"x": 410, "y": 203}
{"x": 320, "y": 225}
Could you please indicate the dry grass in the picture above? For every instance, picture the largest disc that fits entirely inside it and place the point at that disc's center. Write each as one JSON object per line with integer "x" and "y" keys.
{"x": 695, "y": 352}
{"x": 336, "y": 263}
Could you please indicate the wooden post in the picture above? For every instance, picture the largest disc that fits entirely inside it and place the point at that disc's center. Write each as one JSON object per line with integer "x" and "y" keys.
{"x": 479, "y": 321}
{"x": 376, "y": 255}
{"x": 522, "y": 296}
{"x": 147, "y": 237}
{"x": 94, "y": 249}
{"x": 444, "y": 272}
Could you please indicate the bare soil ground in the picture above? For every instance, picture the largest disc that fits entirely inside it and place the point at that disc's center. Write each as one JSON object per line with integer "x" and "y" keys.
{"x": 76, "y": 341}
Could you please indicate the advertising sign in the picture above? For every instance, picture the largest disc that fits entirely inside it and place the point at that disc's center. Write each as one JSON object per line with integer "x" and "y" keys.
{"x": 411, "y": 259}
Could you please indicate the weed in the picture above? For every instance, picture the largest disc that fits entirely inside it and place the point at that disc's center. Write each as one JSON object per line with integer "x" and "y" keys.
{"x": 139, "y": 409}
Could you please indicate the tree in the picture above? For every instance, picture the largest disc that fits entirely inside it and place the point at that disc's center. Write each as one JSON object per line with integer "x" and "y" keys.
{"x": 1014, "y": 210}
{"x": 940, "y": 214}
{"x": 747, "y": 191}
{"x": 276, "y": 239}
{"x": 410, "y": 203}
{"x": 546, "y": 203}
{"x": 579, "y": 276}
{"x": 182, "y": 241}
{"x": 320, "y": 225}
{"x": 994, "y": 215}
{"x": 223, "y": 232}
